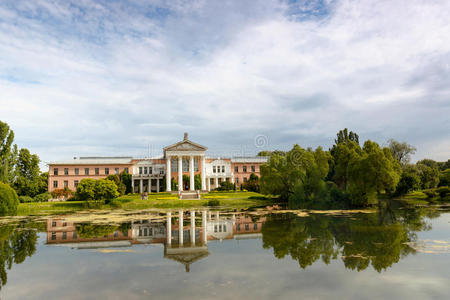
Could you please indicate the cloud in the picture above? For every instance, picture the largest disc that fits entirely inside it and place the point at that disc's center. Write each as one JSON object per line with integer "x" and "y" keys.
{"x": 111, "y": 77}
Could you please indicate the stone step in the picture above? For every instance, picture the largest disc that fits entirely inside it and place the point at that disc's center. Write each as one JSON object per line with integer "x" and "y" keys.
{"x": 185, "y": 195}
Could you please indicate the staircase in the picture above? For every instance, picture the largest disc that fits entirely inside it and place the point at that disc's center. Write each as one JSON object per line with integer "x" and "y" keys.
{"x": 189, "y": 195}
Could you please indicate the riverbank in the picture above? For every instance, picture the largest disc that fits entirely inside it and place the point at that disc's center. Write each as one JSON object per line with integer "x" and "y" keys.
{"x": 236, "y": 199}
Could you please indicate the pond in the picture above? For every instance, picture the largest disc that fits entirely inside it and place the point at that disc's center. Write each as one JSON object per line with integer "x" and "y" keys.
{"x": 204, "y": 254}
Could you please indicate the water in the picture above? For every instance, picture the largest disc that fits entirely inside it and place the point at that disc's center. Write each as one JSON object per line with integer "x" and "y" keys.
{"x": 395, "y": 254}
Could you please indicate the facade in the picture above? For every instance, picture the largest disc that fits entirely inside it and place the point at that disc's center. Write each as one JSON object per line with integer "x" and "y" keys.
{"x": 156, "y": 174}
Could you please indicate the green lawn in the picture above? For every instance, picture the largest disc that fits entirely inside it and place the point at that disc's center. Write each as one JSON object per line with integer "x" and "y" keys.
{"x": 155, "y": 200}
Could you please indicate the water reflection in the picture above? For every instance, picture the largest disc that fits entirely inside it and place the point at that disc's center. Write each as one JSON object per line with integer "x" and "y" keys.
{"x": 359, "y": 241}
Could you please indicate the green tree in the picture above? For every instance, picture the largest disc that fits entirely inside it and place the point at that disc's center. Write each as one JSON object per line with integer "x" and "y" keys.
{"x": 409, "y": 180}
{"x": 86, "y": 189}
{"x": 401, "y": 151}
{"x": 8, "y": 200}
{"x": 444, "y": 178}
{"x": 28, "y": 181}
{"x": 121, "y": 188}
{"x": 252, "y": 184}
{"x": 6, "y": 140}
{"x": 105, "y": 189}
{"x": 429, "y": 173}
{"x": 197, "y": 182}
{"x": 125, "y": 178}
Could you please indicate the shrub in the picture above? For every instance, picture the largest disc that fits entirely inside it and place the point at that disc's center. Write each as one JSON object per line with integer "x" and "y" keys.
{"x": 8, "y": 200}
{"x": 86, "y": 189}
{"x": 212, "y": 203}
{"x": 61, "y": 193}
{"x": 44, "y": 197}
{"x": 25, "y": 199}
{"x": 226, "y": 186}
{"x": 105, "y": 189}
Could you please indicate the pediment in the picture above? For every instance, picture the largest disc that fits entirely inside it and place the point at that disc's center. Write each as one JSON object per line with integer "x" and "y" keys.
{"x": 185, "y": 145}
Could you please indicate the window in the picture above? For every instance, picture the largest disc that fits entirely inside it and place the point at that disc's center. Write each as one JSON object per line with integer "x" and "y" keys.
{"x": 55, "y": 171}
{"x": 77, "y": 171}
{"x": 220, "y": 228}
{"x": 64, "y": 224}
{"x": 223, "y": 169}
{"x": 116, "y": 170}
{"x": 74, "y": 235}
{"x": 224, "y": 228}
{"x": 237, "y": 180}
{"x": 86, "y": 171}
{"x": 161, "y": 171}
{"x": 53, "y": 235}
{"x": 245, "y": 179}
{"x": 64, "y": 235}
{"x": 66, "y": 184}
{"x": 244, "y": 169}
{"x": 255, "y": 226}
{"x": 185, "y": 165}
{"x": 140, "y": 170}
{"x": 247, "y": 227}
{"x": 54, "y": 224}
{"x": 150, "y": 170}
{"x": 215, "y": 228}
{"x": 195, "y": 164}
{"x": 174, "y": 165}
{"x": 211, "y": 180}
{"x": 66, "y": 171}
{"x": 238, "y": 227}
{"x": 126, "y": 170}
{"x": 253, "y": 168}
{"x": 75, "y": 183}
{"x": 97, "y": 171}
{"x": 236, "y": 169}
{"x": 55, "y": 183}
{"x": 106, "y": 171}
{"x": 214, "y": 169}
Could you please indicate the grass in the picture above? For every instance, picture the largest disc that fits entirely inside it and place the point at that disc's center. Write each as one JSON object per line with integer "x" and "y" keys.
{"x": 414, "y": 198}
{"x": 155, "y": 200}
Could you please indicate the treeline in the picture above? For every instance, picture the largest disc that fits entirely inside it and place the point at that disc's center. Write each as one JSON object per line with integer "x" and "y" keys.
{"x": 350, "y": 175}
{"x": 20, "y": 176}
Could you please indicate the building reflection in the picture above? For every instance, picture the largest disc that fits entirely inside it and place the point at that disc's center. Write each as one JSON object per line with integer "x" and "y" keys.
{"x": 184, "y": 234}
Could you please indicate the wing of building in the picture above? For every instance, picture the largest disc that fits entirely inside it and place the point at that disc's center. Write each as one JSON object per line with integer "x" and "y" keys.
{"x": 197, "y": 170}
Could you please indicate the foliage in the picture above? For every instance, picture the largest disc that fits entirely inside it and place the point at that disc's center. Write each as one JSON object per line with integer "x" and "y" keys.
{"x": 95, "y": 231}
{"x": 44, "y": 197}
{"x": 86, "y": 189}
{"x": 252, "y": 184}
{"x": 121, "y": 187}
{"x": 226, "y": 186}
{"x": 61, "y": 193}
{"x": 125, "y": 179}
{"x": 197, "y": 182}
{"x": 409, "y": 180}
{"x": 105, "y": 189}
{"x": 6, "y": 140}
{"x": 8, "y": 200}
{"x": 444, "y": 178}
{"x": 174, "y": 184}
{"x": 401, "y": 151}
{"x": 429, "y": 173}
{"x": 28, "y": 180}
{"x": 25, "y": 199}
{"x": 213, "y": 202}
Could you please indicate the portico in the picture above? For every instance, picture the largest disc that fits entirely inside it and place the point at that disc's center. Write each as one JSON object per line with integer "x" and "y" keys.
{"x": 185, "y": 157}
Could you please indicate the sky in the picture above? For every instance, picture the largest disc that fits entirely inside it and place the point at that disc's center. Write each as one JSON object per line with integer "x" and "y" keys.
{"x": 115, "y": 78}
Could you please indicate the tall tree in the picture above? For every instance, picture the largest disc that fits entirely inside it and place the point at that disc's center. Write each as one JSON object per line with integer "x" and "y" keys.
{"x": 6, "y": 140}
{"x": 28, "y": 181}
{"x": 401, "y": 151}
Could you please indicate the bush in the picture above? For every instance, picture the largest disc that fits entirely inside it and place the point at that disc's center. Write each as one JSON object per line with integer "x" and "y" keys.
{"x": 8, "y": 200}
{"x": 61, "y": 193}
{"x": 44, "y": 197}
{"x": 25, "y": 199}
{"x": 86, "y": 189}
{"x": 212, "y": 203}
{"x": 226, "y": 186}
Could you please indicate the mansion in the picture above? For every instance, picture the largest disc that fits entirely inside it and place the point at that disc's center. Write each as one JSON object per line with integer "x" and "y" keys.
{"x": 183, "y": 159}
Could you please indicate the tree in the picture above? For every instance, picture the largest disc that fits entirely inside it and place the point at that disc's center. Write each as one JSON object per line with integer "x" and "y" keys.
{"x": 409, "y": 180}
{"x": 105, "y": 189}
{"x": 86, "y": 189}
{"x": 375, "y": 170}
{"x": 121, "y": 188}
{"x": 6, "y": 140}
{"x": 197, "y": 182}
{"x": 444, "y": 178}
{"x": 28, "y": 181}
{"x": 429, "y": 173}
{"x": 252, "y": 184}
{"x": 8, "y": 200}
{"x": 343, "y": 136}
{"x": 125, "y": 178}
{"x": 401, "y": 151}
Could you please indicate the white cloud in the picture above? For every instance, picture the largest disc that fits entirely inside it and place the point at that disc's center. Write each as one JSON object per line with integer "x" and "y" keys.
{"x": 89, "y": 75}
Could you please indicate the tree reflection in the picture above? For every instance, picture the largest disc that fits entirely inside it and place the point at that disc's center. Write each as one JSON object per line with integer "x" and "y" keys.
{"x": 16, "y": 245}
{"x": 377, "y": 239}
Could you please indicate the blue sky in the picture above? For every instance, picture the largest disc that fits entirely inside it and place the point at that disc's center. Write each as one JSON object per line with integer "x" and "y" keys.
{"x": 129, "y": 77}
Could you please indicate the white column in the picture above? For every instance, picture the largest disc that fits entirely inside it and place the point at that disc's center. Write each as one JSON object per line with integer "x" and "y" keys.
{"x": 141, "y": 186}
{"x": 217, "y": 215}
{"x": 180, "y": 227}
{"x": 193, "y": 228}
{"x": 132, "y": 184}
{"x": 168, "y": 174}
{"x": 203, "y": 174}
{"x": 232, "y": 178}
{"x": 149, "y": 185}
{"x": 216, "y": 182}
{"x": 157, "y": 185}
{"x": 205, "y": 233}
{"x": 180, "y": 173}
{"x": 169, "y": 228}
{"x": 209, "y": 215}
{"x": 191, "y": 173}
{"x": 209, "y": 184}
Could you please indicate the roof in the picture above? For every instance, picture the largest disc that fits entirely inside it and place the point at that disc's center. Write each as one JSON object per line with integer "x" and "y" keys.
{"x": 95, "y": 161}
{"x": 253, "y": 159}
{"x": 185, "y": 145}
